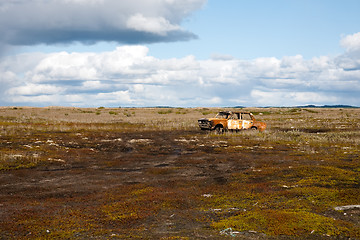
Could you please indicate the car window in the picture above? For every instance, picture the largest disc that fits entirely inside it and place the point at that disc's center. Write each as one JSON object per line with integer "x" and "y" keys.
{"x": 222, "y": 115}
{"x": 246, "y": 116}
{"x": 234, "y": 116}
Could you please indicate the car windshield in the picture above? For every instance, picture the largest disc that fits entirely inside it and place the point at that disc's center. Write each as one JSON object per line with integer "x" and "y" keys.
{"x": 222, "y": 115}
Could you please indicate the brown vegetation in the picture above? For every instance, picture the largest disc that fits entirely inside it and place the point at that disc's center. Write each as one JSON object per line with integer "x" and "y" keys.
{"x": 153, "y": 174}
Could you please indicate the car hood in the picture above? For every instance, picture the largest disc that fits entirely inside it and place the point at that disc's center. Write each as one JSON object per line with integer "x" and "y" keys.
{"x": 211, "y": 119}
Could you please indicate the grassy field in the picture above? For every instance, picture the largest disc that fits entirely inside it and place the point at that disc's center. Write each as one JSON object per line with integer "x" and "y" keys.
{"x": 151, "y": 173}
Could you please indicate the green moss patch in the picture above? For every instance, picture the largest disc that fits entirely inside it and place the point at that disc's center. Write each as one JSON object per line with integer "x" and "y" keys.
{"x": 280, "y": 222}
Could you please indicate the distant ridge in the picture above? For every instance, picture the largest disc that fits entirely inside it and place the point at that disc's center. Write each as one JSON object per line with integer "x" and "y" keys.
{"x": 327, "y": 106}
{"x": 308, "y": 106}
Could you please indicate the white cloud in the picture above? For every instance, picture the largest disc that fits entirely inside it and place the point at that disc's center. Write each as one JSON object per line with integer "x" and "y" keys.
{"x": 117, "y": 97}
{"x": 82, "y": 1}
{"x": 157, "y": 25}
{"x": 351, "y": 42}
{"x": 35, "y": 89}
{"x": 91, "y": 66}
{"x": 129, "y": 76}
{"x": 64, "y": 66}
{"x": 92, "y": 84}
{"x": 31, "y": 100}
{"x": 277, "y": 98}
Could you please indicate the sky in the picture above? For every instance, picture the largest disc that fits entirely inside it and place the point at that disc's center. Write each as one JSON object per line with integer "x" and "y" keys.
{"x": 179, "y": 53}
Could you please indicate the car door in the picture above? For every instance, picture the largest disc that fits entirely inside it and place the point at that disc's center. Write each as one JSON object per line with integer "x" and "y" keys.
{"x": 234, "y": 122}
{"x": 246, "y": 121}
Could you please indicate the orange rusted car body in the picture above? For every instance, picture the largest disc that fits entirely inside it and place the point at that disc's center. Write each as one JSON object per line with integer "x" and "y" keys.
{"x": 228, "y": 120}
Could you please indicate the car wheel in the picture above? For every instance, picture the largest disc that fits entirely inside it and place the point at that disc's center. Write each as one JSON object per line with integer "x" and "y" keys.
{"x": 219, "y": 129}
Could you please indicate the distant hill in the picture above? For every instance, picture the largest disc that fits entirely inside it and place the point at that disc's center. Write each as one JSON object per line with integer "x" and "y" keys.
{"x": 309, "y": 106}
{"x": 327, "y": 106}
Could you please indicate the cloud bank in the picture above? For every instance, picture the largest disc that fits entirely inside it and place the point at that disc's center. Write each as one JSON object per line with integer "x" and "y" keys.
{"x": 129, "y": 76}
{"x": 31, "y": 22}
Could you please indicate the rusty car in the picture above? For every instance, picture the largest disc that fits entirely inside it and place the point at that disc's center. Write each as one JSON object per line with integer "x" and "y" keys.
{"x": 233, "y": 121}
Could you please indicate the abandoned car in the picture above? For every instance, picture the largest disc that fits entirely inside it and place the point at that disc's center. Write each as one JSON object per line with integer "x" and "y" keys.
{"x": 233, "y": 121}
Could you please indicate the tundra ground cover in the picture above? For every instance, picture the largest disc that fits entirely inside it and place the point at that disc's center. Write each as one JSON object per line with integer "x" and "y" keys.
{"x": 152, "y": 174}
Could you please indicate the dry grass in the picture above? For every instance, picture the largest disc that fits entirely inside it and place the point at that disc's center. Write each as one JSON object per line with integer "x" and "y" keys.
{"x": 152, "y": 174}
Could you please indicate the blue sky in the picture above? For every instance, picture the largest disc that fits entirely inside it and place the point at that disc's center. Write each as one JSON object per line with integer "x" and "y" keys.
{"x": 251, "y": 29}
{"x": 179, "y": 53}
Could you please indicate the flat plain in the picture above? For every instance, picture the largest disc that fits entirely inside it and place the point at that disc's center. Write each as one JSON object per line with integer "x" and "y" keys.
{"x": 151, "y": 173}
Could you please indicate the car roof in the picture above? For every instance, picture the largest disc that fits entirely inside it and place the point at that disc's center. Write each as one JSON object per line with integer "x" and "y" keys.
{"x": 230, "y": 112}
